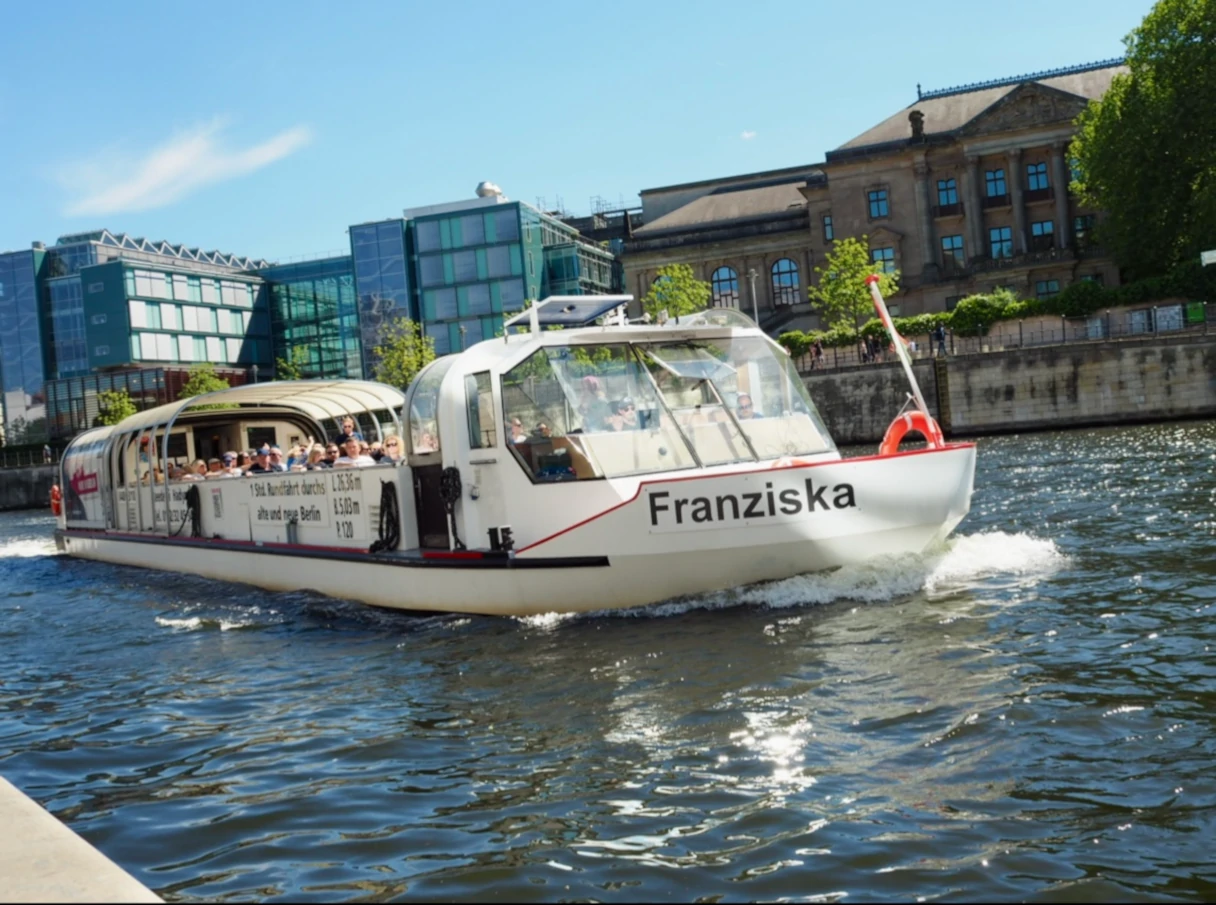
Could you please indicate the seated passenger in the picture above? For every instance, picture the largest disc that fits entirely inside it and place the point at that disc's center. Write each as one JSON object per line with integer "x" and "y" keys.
{"x": 262, "y": 465}
{"x": 744, "y": 408}
{"x": 517, "y": 433}
{"x": 392, "y": 450}
{"x": 315, "y": 460}
{"x": 196, "y": 472}
{"x": 331, "y": 455}
{"x": 215, "y": 468}
{"x": 543, "y": 431}
{"x": 376, "y": 450}
{"x": 354, "y": 458}
{"x": 426, "y": 443}
{"x": 230, "y": 467}
{"x": 624, "y": 416}
{"x": 175, "y": 472}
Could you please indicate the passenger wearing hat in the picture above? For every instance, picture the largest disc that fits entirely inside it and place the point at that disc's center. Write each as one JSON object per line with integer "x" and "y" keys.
{"x": 624, "y": 415}
{"x": 230, "y": 467}
{"x": 215, "y": 468}
{"x": 261, "y": 464}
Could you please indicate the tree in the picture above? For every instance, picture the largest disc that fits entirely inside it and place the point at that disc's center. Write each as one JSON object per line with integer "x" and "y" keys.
{"x": 114, "y": 406}
{"x": 677, "y": 291}
{"x": 1145, "y": 153}
{"x": 402, "y": 353}
{"x": 291, "y": 367}
{"x": 841, "y": 294}
{"x": 203, "y": 379}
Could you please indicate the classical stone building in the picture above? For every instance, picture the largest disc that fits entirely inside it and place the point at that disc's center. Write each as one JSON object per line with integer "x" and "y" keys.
{"x": 962, "y": 191}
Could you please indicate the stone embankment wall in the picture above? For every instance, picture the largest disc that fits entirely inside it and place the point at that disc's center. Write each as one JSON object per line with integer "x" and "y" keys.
{"x": 28, "y": 487}
{"x": 1036, "y": 388}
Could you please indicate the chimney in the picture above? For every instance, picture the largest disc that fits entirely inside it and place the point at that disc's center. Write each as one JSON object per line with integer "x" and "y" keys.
{"x": 917, "y": 119}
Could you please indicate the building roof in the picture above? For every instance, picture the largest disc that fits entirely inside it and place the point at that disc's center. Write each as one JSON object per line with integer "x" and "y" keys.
{"x": 731, "y": 203}
{"x": 952, "y": 108}
{"x": 158, "y": 247}
{"x": 761, "y": 176}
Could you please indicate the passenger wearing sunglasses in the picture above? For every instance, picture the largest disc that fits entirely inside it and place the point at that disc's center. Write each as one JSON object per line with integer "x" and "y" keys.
{"x": 624, "y": 416}
{"x": 391, "y": 451}
{"x": 744, "y": 408}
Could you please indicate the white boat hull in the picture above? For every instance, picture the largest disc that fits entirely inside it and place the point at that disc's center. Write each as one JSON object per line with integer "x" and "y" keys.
{"x": 675, "y": 537}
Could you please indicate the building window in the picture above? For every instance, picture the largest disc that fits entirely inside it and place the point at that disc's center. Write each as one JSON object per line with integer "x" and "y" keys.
{"x": 1046, "y": 288}
{"x": 994, "y": 183}
{"x": 828, "y": 235}
{"x": 1094, "y": 278}
{"x": 426, "y": 235}
{"x": 947, "y": 192}
{"x": 725, "y": 285}
{"x": 884, "y": 258}
{"x": 878, "y": 203}
{"x": 1036, "y": 177}
{"x": 785, "y": 282}
{"x": 1042, "y": 235}
{"x": 1083, "y": 228}
{"x": 1000, "y": 242}
{"x": 472, "y": 230}
{"x": 952, "y": 301}
{"x": 953, "y": 257}
{"x": 431, "y": 270}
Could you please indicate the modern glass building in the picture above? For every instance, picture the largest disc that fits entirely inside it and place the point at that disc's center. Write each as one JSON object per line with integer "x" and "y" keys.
{"x": 314, "y": 316}
{"x": 22, "y": 366}
{"x": 458, "y": 268}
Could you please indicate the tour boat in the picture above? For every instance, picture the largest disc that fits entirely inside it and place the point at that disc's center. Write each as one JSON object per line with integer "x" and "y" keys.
{"x": 609, "y": 463}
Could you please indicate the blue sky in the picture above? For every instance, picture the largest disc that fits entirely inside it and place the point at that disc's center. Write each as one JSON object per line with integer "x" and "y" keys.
{"x": 266, "y": 128}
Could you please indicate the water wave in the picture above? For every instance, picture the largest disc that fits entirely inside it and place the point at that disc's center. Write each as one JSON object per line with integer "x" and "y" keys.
{"x": 26, "y": 548}
{"x": 960, "y": 563}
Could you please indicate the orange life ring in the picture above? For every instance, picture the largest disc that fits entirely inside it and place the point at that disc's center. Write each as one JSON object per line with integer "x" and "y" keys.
{"x": 906, "y": 423}
{"x": 56, "y": 500}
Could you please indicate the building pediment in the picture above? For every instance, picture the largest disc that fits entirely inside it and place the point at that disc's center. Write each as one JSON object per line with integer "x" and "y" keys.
{"x": 1030, "y": 104}
{"x": 884, "y": 235}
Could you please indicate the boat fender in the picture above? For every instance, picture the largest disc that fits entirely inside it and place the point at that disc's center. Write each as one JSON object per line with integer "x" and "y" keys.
{"x": 56, "y": 500}
{"x": 910, "y": 422}
{"x": 449, "y": 491}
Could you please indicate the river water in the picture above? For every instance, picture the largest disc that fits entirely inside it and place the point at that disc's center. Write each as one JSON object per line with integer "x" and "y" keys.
{"x": 1025, "y": 714}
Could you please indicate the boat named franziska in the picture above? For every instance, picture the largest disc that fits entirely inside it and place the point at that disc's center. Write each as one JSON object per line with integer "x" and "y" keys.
{"x": 605, "y": 464}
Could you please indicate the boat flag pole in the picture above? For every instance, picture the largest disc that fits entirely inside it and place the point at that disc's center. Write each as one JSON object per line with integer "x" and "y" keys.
{"x": 896, "y": 340}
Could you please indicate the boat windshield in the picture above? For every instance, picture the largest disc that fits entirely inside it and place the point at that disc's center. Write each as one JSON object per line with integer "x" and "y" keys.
{"x": 423, "y": 427}
{"x": 612, "y": 410}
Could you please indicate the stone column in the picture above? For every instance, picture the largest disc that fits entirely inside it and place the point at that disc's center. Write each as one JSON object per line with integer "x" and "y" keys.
{"x": 1014, "y": 178}
{"x": 925, "y": 215}
{"x": 1059, "y": 180}
{"x": 974, "y": 212}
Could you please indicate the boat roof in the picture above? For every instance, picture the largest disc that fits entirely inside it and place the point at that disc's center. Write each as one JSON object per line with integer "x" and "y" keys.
{"x": 571, "y": 310}
{"x": 319, "y": 399}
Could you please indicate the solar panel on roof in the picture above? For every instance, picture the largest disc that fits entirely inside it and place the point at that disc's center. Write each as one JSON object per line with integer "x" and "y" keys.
{"x": 572, "y": 310}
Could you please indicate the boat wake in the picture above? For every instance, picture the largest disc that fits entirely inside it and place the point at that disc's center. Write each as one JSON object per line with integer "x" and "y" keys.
{"x": 27, "y": 548}
{"x": 963, "y": 563}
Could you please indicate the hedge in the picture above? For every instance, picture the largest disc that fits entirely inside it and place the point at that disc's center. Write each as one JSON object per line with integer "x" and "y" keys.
{"x": 976, "y": 314}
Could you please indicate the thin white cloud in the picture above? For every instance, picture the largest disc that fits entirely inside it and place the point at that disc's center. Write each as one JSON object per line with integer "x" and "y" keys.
{"x": 115, "y": 183}
{"x": 747, "y": 136}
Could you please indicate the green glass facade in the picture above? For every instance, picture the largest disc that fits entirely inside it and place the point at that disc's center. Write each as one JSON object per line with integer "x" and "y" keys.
{"x": 314, "y": 317}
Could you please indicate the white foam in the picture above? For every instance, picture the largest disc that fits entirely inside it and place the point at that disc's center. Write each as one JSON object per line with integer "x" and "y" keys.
{"x": 188, "y": 625}
{"x": 27, "y": 548}
{"x": 193, "y": 623}
{"x": 961, "y": 562}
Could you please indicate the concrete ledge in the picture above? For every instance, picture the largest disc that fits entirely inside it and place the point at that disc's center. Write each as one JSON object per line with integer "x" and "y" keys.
{"x": 41, "y": 860}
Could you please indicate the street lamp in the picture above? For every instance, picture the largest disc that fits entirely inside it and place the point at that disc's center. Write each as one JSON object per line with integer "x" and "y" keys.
{"x": 463, "y": 330}
{"x": 751, "y": 275}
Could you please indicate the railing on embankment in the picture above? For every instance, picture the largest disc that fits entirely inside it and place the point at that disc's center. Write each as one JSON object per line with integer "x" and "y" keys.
{"x": 1156, "y": 377}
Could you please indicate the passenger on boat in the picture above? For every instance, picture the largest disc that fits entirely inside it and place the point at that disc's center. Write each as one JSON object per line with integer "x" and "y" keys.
{"x": 426, "y": 443}
{"x": 375, "y": 450}
{"x": 518, "y": 434}
{"x": 744, "y": 408}
{"x": 314, "y": 461}
{"x": 244, "y": 461}
{"x": 215, "y": 468}
{"x": 230, "y": 467}
{"x": 392, "y": 451}
{"x": 543, "y": 430}
{"x": 331, "y": 455}
{"x": 625, "y": 416}
{"x": 354, "y": 458}
{"x": 175, "y": 472}
{"x": 593, "y": 405}
{"x": 348, "y": 430}
{"x": 197, "y": 471}
{"x": 262, "y": 465}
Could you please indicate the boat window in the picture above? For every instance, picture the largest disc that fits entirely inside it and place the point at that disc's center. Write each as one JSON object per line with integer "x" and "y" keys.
{"x": 580, "y": 412}
{"x": 479, "y": 400}
{"x": 700, "y": 379}
{"x": 424, "y": 406}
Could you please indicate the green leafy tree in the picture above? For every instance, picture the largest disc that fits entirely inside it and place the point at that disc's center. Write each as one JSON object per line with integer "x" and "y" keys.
{"x": 841, "y": 294}
{"x": 1145, "y": 153}
{"x": 203, "y": 379}
{"x": 114, "y": 406}
{"x": 676, "y": 290}
{"x": 402, "y": 353}
{"x": 292, "y": 367}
